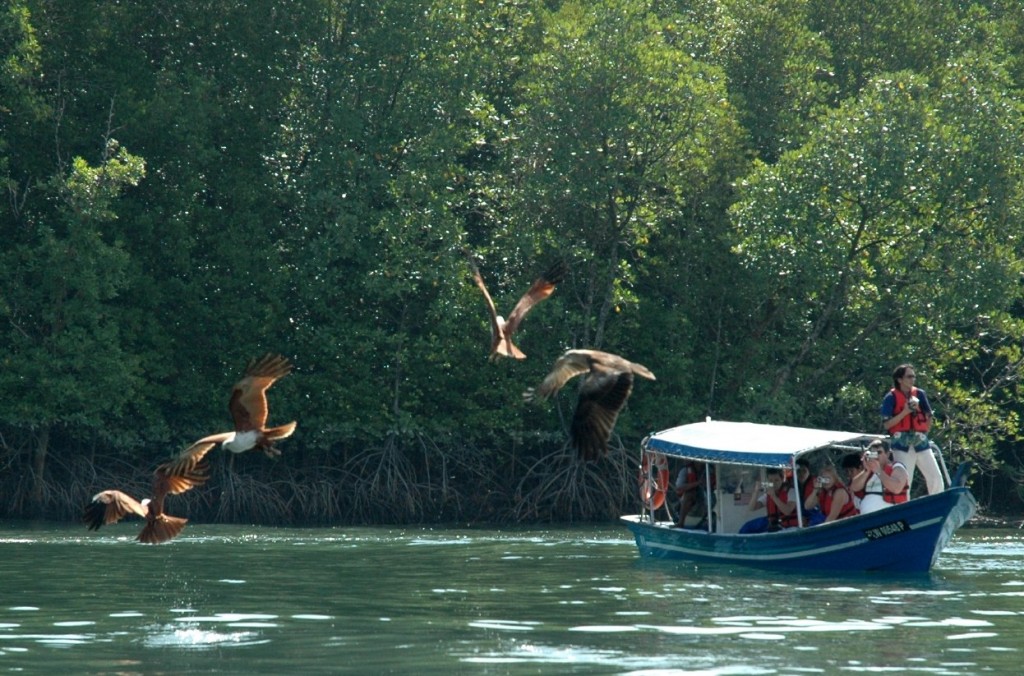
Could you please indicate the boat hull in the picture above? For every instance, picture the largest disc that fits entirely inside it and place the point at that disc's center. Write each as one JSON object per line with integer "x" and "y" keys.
{"x": 907, "y": 538}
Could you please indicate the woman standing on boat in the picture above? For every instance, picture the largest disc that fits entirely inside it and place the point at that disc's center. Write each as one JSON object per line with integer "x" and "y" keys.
{"x": 907, "y": 416}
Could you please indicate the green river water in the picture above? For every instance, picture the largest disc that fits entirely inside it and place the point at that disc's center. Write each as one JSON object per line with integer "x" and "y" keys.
{"x": 251, "y": 600}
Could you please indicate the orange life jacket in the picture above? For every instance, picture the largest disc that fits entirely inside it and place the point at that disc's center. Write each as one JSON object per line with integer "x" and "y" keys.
{"x": 915, "y": 422}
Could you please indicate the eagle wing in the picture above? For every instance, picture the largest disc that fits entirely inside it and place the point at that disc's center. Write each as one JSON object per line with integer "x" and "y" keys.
{"x": 248, "y": 403}
{"x": 541, "y": 288}
{"x": 566, "y": 367}
{"x": 601, "y": 397}
{"x": 188, "y": 469}
{"x": 493, "y": 311}
{"x": 110, "y": 506}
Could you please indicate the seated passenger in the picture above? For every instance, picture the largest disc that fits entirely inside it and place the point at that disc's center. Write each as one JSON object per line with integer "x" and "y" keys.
{"x": 852, "y": 466}
{"x": 832, "y": 496}
{"x": 812, "y": 514}
{"x": 691, "y": 487}
{"x": 882, "y": 482}
{"x": 780, "y": 508}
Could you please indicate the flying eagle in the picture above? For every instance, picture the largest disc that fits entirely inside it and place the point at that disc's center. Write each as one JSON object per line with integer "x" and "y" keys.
{"x": 188, "y": 470}
{"x": 502, "y": 329}
{"x": 248, "y": 407}
{"x": 602, "y": 395}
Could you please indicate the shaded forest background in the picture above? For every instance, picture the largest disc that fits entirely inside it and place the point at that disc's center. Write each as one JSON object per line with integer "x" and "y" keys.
{"x": 769, "y": 203}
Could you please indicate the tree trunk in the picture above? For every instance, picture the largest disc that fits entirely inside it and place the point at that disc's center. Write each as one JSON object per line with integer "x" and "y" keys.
{"x": 38, "y": 471}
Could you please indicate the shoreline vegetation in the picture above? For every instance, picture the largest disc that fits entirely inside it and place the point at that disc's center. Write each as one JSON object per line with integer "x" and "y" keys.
{"x": 252, "y": 489}
{"x": 376, "y": 487}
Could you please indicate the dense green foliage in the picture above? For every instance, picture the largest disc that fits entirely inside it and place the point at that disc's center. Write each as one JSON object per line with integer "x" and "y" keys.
{"x": 769, "y": 204}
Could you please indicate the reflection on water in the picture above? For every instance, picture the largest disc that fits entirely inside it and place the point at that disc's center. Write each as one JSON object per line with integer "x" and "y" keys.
{"x": 255, "y": 600}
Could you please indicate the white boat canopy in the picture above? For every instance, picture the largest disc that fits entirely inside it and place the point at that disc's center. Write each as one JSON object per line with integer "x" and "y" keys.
{"x": 743, "y": 443}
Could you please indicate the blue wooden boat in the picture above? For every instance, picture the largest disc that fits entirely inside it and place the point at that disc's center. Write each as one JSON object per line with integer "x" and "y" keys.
{"x": 906, "y": 537}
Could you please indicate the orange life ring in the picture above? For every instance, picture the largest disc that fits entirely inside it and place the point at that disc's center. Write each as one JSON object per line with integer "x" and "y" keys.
{"x": 653, "y": 480}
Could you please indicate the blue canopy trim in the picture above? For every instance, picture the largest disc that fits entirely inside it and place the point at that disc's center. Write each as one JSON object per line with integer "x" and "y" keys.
{"x": 742, "y": 443}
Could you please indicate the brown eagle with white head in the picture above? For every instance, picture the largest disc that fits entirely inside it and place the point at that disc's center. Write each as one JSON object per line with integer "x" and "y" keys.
{"x": 248, "y": 408}
{"x": 502, "y": 329}
{"x": 602, "y": 394}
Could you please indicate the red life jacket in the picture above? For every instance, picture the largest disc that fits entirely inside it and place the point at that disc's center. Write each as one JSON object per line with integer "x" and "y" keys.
{"x": 775, "y": 515}
{"x": 696, "y": 474}
{"x": 808, "y": 488}
{"x": 915, "y": 422}
{"x": 895, "y": 498}
{"x": 849, "y": 509}
{"x": 887, "y": 495}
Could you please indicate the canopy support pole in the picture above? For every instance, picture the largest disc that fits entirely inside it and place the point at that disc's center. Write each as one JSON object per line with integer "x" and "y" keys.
{"x": 799, "y": 498}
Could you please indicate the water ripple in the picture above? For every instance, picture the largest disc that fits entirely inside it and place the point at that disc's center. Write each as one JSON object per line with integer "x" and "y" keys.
{"x": 198, "y": 639}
